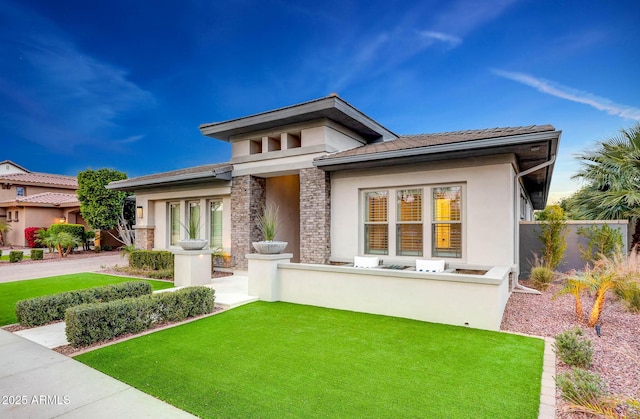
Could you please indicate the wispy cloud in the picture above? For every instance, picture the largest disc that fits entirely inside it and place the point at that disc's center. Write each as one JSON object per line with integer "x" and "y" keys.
{"x": 574, "y": 95}
{"x": 58, "y": 95}
{"x": 414, "y": 33}
{"x": 452, "y": 40}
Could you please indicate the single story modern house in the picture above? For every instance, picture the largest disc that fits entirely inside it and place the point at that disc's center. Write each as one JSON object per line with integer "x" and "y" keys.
{"x": 347, "y": 186}
{"x": 30, "y": 199}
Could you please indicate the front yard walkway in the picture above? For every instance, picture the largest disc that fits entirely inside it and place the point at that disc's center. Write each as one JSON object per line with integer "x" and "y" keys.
{"x": 36, "y": 382}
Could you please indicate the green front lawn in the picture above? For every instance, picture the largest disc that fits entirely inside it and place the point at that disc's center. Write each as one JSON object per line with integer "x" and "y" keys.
{"x": 11, "y": 292}
{"x": 275, "y": 360}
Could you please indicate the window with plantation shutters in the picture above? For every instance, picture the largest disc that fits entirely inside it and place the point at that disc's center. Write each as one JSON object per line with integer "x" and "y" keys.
{"x": 409, "y": 225}
{"x": 376, "y": 227}
{"x": 447, "y": 222}
{"x": 414, "y": 221}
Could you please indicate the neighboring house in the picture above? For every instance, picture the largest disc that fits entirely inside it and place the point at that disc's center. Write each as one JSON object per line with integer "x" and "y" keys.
{"x": 348, "y": 186}
{"x": 29, "y": 199}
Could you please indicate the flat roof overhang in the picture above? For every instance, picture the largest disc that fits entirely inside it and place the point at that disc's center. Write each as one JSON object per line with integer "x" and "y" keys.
{"x": 331, "y": 107}
{"x": 530, "y": 150}
{"x": 175, "y": 180}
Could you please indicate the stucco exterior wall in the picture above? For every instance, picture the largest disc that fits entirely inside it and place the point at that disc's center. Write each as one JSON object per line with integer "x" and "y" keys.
{"x": 155, "y": 211}
{"x": 32, "y": 217}
{"x": 488, "y": 188}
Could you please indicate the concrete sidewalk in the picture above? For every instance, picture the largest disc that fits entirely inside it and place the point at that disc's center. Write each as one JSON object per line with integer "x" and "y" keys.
{"x": 36, "y": 382}
{"x": 20, "y": 271}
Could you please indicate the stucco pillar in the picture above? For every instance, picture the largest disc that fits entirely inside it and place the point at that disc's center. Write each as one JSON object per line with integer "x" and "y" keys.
{"x": 315, "y": 216}
{"x": 247, "y": 200}
{"x": 263, "y": 275}
{"x": 192, "y": 267}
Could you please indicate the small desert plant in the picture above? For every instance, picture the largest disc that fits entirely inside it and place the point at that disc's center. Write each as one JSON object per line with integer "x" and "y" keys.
{"x": 603, "y": 241}
{"x": 580, "y": 386}
{"x": 192, "y": 227}
{"x": 574, "y": 286}
{"x": 608, "y": 273}
{"x": 125, "y": 251}
{"x": 540, "y": 275}
{"x": 268, "y": 222}
{"x": 630, "y": 296}
{"x": 573, "y": 349}
{"x": 553, "y": 231}
{"x": 37, "y": 254}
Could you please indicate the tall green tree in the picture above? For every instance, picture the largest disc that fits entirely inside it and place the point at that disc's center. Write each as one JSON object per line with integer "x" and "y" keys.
{"x": 99, "y": 206}
{"x": 611, "y": 177}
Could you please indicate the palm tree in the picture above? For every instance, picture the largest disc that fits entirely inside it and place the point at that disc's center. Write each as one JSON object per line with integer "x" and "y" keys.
{"x": 64, "y": 242}
{"x": 608, "y": 273}
{"x": 611, "y": 174}
{"x": 574, "y": 286}
{"x": 4, "y": 228}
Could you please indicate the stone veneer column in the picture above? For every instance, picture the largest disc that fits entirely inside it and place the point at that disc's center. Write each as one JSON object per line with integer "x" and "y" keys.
{"x": 247, "y": 199}
{"x": 315, "y": 216}
{"x": 144, "y": 237}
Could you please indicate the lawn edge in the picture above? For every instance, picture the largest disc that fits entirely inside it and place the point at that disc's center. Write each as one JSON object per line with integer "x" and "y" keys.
{"x": 547, "y": 409}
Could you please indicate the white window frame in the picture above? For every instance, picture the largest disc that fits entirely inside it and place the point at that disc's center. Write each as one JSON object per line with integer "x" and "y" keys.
{"x": 427, "y": 220}
{"x": 170, "y": 205}
{"x": 210, "y": 204}
{"x": 20, "y": 191}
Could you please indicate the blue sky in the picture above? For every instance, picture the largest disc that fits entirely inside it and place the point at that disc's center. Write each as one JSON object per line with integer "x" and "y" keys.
{"x": 125, "y": 84}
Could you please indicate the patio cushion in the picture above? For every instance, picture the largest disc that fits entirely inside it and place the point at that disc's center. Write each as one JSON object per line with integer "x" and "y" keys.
{"x": 426, "y": 265}
{"x": 365, "y": 261}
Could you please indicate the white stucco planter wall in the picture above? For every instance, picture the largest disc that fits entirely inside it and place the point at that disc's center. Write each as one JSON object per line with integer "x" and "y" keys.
{"x": 476, "y": 301}
{"x": 192, "y": 267}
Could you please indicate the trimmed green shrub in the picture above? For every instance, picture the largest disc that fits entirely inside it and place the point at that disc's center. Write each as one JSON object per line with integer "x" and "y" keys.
{"x": 151, "y": 259}
{"x": 581, "y": 386}
{"x": 161, "y": 274}
{"x": 573, "y": 349}
{"x": 41, "y": 310}
{"x": 37, "y": 254}
{"x": 91, "y": 323}
{"x": 16, "y": 256}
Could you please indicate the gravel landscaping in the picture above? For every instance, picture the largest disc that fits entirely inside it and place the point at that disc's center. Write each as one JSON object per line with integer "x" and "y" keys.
{"x": 540, "y": 315}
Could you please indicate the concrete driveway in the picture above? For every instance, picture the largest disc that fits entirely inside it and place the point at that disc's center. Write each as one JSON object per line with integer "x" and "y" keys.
{"x": 19, "y": 271}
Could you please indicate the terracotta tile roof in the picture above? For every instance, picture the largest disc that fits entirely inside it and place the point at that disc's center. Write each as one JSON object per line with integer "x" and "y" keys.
{"x": 41, "y": 179}
{"x": 48, "y": 198}
{"x": 426, "y": 140}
